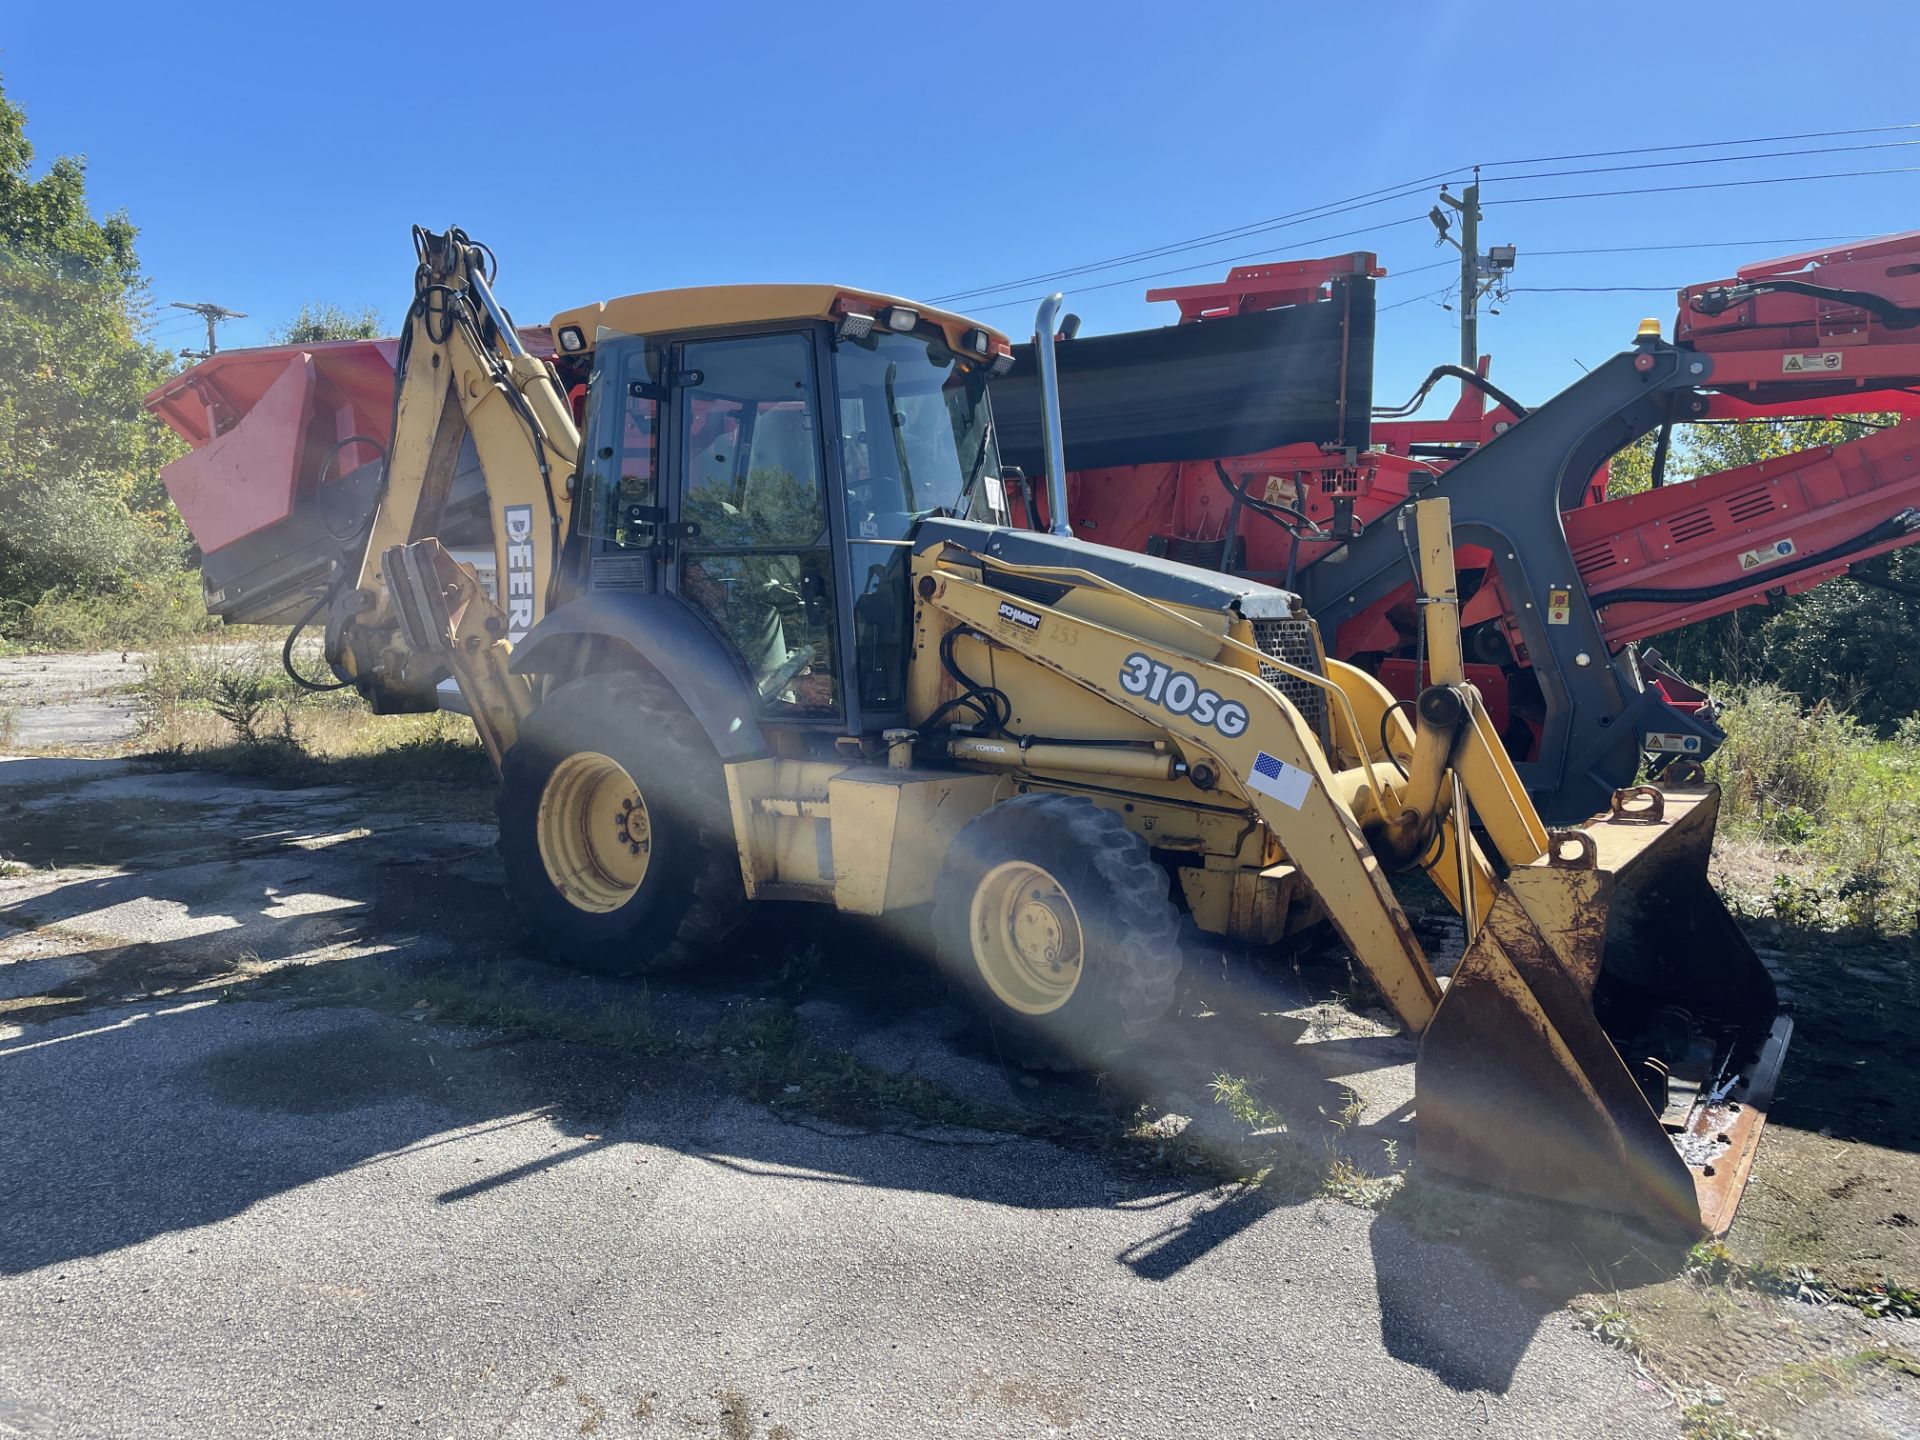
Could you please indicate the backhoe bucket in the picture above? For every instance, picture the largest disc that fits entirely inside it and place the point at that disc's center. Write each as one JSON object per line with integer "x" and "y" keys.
{"x": 1610, "y": 1038}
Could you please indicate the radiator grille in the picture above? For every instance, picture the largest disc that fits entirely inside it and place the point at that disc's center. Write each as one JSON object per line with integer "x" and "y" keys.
{"x": 1292, "y": 641}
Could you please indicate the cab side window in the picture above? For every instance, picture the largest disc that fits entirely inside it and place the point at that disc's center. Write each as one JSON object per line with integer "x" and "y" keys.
{"x": 755, "y": 557}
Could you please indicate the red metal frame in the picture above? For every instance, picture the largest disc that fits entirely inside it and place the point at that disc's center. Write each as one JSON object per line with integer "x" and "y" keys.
{"x": 1249, "y": 289}
{"x": 1888, "y": 267}
{"x": 1687, "y": 536}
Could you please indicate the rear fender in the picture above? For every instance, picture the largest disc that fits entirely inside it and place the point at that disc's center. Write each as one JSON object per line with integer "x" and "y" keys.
{"x": 668, "y": 638}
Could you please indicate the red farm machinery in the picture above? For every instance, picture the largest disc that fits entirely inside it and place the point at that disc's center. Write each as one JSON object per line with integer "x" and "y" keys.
{"x": 1282, "y": 470}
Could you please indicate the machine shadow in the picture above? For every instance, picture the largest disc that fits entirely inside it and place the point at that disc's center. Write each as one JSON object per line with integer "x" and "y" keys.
{"x": 137, "y": 1110}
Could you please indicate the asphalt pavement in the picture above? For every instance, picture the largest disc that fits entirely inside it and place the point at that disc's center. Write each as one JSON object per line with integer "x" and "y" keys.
{"x": 227, "y": 1209}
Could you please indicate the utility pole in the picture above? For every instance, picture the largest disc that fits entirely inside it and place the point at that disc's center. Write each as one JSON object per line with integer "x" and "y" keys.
{"x": 1479, "y": 274}
{"x": 213, "y": 315}
{"x": 1469, "y": 207}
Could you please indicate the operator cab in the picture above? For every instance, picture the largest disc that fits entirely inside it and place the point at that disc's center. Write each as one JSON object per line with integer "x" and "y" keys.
{"x": 771, "y": 469}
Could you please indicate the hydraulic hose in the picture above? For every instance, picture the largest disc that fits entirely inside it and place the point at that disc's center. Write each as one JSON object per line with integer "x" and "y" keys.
{"x": 1453, "y": 372}
{"x": 1889, "y": 313}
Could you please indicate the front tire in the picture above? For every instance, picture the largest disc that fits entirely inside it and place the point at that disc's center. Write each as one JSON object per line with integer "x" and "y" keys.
{"x": 614, "y": 829}
{"x": 1053, "y": 917}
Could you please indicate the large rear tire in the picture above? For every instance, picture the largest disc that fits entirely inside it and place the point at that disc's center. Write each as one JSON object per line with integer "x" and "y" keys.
{"x": 614, "y": 829}
{"x": 1053, "y": 918}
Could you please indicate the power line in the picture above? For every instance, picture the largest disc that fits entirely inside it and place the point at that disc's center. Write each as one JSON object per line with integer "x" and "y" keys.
{"x": 1704, "y": 160}
{"x": 1392, "y": 192}
{"x": 1595, "y": 290}
{"x": 1708, "y": 185}
{"x": 1694, "y": 245}
{"x": 1203, "y": 265}
{"x": 1705, "y": 145}
{"x": 1307, "y": 216}
{"x": 1430, "y": 295}
{"x": 1438, "y": 264}
{"x": 1398, "y": 274}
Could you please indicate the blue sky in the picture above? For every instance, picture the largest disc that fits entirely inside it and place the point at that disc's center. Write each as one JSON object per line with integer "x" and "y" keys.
{"x": 275, "y": 154}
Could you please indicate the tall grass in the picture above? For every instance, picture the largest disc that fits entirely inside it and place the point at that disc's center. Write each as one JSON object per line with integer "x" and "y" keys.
{"x": 1842, "y": 803}
{"x": 166, "y": 609}
{"x": 232, "y": 707}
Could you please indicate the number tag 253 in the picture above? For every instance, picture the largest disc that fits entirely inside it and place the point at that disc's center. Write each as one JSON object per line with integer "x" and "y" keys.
{"x": 1179, "y": 692}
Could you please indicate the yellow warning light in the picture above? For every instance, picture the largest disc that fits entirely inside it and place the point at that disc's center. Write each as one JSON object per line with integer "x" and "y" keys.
{"x": 1649, "y": 329}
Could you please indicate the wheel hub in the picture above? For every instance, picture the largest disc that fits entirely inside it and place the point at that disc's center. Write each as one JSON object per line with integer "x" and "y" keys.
{"x": 1027, "y": 940}
{"x": 1038, "y": 934}
{"x": 594, "y": 832}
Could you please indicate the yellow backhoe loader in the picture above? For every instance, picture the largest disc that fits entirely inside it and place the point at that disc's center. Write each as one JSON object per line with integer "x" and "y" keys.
{"x": 763, "y": 629}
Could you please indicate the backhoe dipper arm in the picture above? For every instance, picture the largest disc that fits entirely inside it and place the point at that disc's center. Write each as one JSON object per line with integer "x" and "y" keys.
{"x": 414, "y": 614}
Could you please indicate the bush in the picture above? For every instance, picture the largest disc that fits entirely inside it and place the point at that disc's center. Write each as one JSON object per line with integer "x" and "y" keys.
{"x": 1783, "y": 768}
{"x": 1817, "y": 781}
{"x": 166, "y": 608}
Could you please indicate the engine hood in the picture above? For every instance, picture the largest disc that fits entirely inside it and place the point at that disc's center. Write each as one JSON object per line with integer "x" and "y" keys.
{"x": 1164, "y": 580}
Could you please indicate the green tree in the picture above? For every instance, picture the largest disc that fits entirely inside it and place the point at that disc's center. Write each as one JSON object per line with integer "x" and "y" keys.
{"x": 321, "y": 320}
{"x": 1838, "y": 641}
{"x": 81, "y": 504}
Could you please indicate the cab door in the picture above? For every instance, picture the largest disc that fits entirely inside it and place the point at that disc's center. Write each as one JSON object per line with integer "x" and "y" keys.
{"x": 750, "y": 546}
{"x": 622, "y": 517}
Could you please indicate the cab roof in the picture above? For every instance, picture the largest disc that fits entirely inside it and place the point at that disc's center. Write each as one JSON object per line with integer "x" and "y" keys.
{"x": 708, "y": 307}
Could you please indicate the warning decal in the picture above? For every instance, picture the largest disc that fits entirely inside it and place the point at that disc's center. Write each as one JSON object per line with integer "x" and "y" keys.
{"x": 1766, "y": 555}
{"x": 1828, "y": 361}
{"x": 1663, "y": 742}
{"x": 1559, "y": 607}
{"x": 1281, "y": 490}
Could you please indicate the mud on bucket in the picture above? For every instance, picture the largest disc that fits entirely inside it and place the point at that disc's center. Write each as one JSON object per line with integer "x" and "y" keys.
{"x": 1610, "y": 1039}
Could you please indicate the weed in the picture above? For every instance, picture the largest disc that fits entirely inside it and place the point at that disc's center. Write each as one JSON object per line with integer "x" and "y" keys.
{"x": 768, "y": 1056}
{"x": 800, "y": 968}
{"x": 1706, "y": 1420}
{"x": 6, "y": 725}
{"x": 1299, "y": 1165}
{"x": 1346, "y": 1180}
{"x": 241, "y": 695}
{"x": 232, "y": 708}
{"x": 1611, "y": 1327}
{"x": 1242, "y": 1099}
{"x": 1710, "y": 1262}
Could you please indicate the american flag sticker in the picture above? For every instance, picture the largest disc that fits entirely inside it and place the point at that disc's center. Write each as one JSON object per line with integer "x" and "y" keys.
{"x": 1285, "y": 783}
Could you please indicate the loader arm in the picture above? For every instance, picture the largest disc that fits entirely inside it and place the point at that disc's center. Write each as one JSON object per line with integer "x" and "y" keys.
{"x": 1268, "y": 758}
{"x": 413, "y": 613}
{"x": 1608, "y": 1036}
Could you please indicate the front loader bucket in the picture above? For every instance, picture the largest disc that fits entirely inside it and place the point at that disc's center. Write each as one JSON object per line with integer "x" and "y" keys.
{"x": 1610, "y": 1038}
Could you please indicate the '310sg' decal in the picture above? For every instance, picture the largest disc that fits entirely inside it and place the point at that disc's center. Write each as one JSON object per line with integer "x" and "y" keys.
{"x": 1179, "y": 692}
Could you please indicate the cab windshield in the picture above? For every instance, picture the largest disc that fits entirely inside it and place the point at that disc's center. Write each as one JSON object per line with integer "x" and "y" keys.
{"x": 915, "y": 435}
